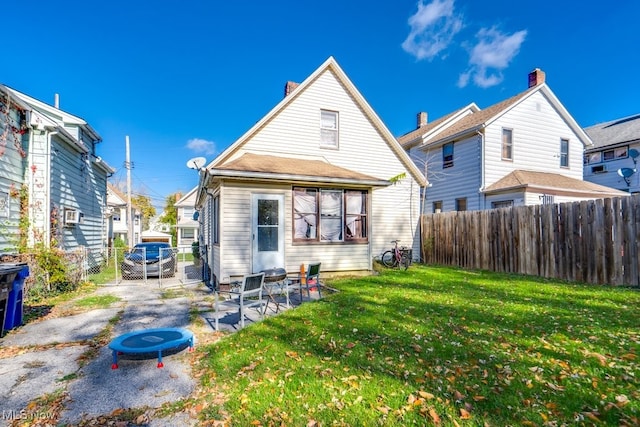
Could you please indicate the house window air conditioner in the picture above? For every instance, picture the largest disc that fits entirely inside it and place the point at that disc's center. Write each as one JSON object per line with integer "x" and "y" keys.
{"x": 72, "y": 216}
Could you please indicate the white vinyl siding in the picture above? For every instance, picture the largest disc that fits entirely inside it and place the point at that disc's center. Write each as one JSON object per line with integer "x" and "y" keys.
{"x": 293, "y": 132}
{"x": 462, "y": 180}
{"x": 299, "y": 123}
{"x": 537, "y": 128}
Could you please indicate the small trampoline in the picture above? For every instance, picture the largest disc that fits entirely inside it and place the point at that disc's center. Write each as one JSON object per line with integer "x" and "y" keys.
{"x": 150, "y": 341}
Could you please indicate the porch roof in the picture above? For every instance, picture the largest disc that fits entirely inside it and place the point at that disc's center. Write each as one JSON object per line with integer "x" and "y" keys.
{"x": 266, "y": 167}
{"x": 551, "y": 182}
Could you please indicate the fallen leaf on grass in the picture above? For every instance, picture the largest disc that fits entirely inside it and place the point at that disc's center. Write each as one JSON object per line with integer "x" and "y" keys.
{"x": 426, "y": 395}
{"x": 464, "y": 414}
{"x": 434, "y": 416}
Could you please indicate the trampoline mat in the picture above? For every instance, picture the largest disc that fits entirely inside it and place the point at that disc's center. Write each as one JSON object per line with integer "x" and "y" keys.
{"x": 147, "y": 340}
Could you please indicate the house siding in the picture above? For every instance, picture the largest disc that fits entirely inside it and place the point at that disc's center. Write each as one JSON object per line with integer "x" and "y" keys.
{"x": 12, "y": 173}
{"x": 610, "y": 177}
{"x": 537, "y": 130}
{"x": 233, "y": 257}
{"x": 462, "y": 180}
{"x": 75, "y": 184}
{"x": 361, "y": 148}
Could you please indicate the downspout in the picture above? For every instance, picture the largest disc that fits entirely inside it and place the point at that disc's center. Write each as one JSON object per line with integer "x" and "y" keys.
{"x": 47, "y": 200}
{"x": 481, "y": 197}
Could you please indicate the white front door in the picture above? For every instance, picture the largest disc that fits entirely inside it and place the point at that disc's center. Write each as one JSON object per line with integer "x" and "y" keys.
{"x": 267, "y": 231}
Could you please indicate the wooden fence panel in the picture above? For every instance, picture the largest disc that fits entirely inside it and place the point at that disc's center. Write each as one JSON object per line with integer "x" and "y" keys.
{"x": 595, "y": 241}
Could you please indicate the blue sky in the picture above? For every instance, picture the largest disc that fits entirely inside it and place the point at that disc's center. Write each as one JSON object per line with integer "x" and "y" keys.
{"x": 187, "y": 78}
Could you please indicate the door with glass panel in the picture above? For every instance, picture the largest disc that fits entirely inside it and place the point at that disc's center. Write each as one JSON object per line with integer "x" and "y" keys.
{"x": 267, "y": 231}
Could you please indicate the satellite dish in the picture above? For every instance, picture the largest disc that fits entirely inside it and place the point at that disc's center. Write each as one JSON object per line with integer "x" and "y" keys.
{"x": 196, "y": 214}
{"x": 626, "y": 172}
{"x": 196, "y": 163}
{"x": 633, "y": 153}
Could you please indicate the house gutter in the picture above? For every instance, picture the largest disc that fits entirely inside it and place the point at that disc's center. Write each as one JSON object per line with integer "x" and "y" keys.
{"x": 220, "y": 173}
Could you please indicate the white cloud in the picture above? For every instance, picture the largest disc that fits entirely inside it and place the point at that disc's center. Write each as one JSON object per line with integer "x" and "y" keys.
{"x": 490, "y": 56}
{"x": 433, "y": 27}
{"x": 201, "y": 146}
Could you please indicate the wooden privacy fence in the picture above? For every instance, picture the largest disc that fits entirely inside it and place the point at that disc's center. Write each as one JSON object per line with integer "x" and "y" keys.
{"x": 594, "y": 241}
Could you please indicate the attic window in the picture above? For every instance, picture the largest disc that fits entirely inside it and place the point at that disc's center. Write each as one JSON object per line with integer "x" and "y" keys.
{"x": 329, "y": 128}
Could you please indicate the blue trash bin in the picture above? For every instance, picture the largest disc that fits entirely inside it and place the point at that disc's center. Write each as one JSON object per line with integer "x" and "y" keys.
{"x": 14, "y": 315}
{"x": 8, "y": 274}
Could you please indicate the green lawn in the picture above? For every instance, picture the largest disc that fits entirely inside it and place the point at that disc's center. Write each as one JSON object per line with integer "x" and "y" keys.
{"x": 433, "y": 346}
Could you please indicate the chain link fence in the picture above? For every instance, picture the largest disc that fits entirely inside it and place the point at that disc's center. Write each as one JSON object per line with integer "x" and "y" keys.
{"x": 161, "y": 265}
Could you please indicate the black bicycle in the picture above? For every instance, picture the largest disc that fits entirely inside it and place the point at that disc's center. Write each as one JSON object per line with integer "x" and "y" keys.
{"x": 397, "y": 257}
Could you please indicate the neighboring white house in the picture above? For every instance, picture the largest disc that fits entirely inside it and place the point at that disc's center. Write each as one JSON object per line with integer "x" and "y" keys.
{"x": 613, "y": 158}
{"x": 118, "y": 217}
{"x": 319, "y": 178}
{"x": 187, "y": 227}
{"x": 54, "y": 155}
{"x": 524, "y": 150}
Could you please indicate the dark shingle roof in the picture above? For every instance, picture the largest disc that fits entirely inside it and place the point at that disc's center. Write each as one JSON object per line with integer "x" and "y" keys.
{"x": 615, "y": 132}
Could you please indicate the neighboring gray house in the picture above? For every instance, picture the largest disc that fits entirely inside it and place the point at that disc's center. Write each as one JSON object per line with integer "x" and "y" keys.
{"x": 524, "y": 150}
{"x": 65, "y": 179}
{"x": 613, "y": 158}
{"x": 187, "y": 227}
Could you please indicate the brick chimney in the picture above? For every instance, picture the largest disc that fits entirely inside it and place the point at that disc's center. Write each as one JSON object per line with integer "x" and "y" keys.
{"x": 536, "y": 77}
{"x": 289, "y": 87}
{"x": 421, "y": 119}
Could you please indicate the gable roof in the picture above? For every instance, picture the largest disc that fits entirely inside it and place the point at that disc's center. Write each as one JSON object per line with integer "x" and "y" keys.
{"x": 416, "y": 136}
{"x": 188, "y": 199}
{"x": 619, "y": 131}
{"x": 551, "y": 182}
{"x": 259, "y": 166}
{"x": 56, "y": 114}
{"x": 329, "y": 65}
{"x": 482, "y": 118}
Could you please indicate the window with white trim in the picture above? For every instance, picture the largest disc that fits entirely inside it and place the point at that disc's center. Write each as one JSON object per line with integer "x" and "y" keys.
{"x": 564, "y": 153}
{"x": 507, "y": 144}
{"x": 329, "y": 128}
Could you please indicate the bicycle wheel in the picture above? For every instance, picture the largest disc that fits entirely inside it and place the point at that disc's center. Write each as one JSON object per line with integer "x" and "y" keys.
{"x": 405, "y": 261}
{"x": 388, "y": 259}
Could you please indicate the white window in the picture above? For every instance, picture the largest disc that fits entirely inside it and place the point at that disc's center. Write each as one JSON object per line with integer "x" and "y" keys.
{"x": 564, "y": 153}
{"x": 329, "y": 128}
{"x": 507, "y": 144}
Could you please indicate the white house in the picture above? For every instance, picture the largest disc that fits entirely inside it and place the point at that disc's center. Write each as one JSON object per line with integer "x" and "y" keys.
{"x": 319, "y": 178}
{"x": 187, "y": 227}
{"x": 613, "y": 158}
{"x": 54, "y": 155}
{"x": 118, "y": 217}
{"x": 524, "y": 150}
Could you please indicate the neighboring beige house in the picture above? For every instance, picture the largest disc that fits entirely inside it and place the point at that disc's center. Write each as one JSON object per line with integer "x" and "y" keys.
{"x": 613, "y": 158}
{"x": 187, "y": 227}
{"x": 52, "y": 155}
{"x": 118, "y": 217}
{"x": 524, "y": 150}
{"x": 319, "y": 178}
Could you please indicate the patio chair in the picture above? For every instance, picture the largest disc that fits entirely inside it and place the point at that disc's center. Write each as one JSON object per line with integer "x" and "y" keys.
{"x": 250, "y": 294}
{"x": 309, "y": 281}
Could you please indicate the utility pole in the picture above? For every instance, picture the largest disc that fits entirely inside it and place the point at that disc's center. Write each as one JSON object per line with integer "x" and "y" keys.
{"x": 127, "y": 165}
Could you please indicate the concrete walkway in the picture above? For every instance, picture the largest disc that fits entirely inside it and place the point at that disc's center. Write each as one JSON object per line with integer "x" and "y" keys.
{"x": 54, "y": 355}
